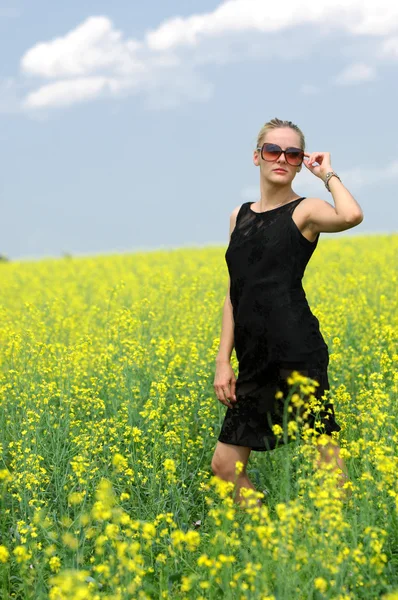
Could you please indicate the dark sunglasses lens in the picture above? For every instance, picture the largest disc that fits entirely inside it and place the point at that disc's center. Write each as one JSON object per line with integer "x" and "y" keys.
{"x": 294, "y": 157}
{"x": 271, "y": 151}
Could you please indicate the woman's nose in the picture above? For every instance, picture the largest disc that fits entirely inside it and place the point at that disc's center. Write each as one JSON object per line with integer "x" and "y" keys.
{"x": 282, "y": 158}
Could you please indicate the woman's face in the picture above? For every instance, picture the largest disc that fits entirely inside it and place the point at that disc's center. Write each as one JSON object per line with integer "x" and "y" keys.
{"x": 285, "y": 137}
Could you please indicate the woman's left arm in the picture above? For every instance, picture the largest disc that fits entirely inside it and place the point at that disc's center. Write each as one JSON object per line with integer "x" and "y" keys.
{"x": 322, "y": 216}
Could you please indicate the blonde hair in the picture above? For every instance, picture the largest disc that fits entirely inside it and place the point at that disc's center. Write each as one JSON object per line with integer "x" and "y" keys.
{"x": 274, "y": 124}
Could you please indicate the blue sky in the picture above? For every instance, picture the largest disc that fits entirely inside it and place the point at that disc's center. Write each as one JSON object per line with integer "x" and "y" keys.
{"x": 127, "y": 126}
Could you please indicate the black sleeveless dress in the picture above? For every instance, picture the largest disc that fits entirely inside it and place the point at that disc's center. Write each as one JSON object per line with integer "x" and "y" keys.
{"x": 275, "y": 331}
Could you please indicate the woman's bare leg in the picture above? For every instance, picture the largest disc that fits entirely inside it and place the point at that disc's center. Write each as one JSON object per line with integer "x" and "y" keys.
{"x": 223, "y": 465}
{"x": 330, "y": 453}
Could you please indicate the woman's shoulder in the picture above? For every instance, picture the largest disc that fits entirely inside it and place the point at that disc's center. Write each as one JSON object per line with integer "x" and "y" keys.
{"x": 236, "y": 214}
{"x": 238, "y": 209}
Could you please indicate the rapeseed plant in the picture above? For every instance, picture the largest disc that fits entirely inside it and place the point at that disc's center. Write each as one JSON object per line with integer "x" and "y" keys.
{"x": 109, "y": 420}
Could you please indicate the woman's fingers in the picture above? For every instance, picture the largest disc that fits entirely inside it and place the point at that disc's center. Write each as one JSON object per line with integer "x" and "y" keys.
{"x": 225, "y": 399}
{"x": 316, "y": 157}
{"x": 228, "y": 395}
{"x": 225, "y": 396}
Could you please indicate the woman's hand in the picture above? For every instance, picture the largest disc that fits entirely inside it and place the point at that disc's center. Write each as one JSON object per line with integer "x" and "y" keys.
{"x": 323, "y": 166}
{"x": 224, "y": 384}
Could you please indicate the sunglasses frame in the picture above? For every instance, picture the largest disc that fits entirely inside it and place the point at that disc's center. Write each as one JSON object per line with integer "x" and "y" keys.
{"x": 281, "y": 152}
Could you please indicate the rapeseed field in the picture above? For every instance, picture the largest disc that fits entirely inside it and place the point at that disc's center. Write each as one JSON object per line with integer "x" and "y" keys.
{"x": 109, "y": 421}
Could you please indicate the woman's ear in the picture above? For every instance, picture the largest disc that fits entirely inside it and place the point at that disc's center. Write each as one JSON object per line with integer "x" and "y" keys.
{"x": 256, "y": 158}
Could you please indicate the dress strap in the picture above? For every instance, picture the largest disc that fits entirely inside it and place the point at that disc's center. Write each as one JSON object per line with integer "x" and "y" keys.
{"x": 292, "y": 205}
{"x": 243, "y": 209}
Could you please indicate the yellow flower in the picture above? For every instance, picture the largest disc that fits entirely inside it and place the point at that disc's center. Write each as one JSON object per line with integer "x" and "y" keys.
{"x": 186, "y": 583}
{"x": 119, "y": 462}
{"x": 4, "y": 554}
{"x": 111, "y": 530}
{"x": 277, "y": 429}
{"x": 70, "y": 540}
{"x": 169, "y": 465}
{"x": 204, "y": 560}
{"x": 321, "y": 584}
{"x": 22, "y": 554}
{"x": 55, "y": 564}
{"x": 238, "y": 467}
{"x": 192, "y": 539}
{"x": 50, "y": 550}
{"x": 5, "y": 475}
{"x": 76, "y": 497}
{"x": 161, "y": 558}
{"x": 148, "y": 531}
{"x": 177, "y": 537}
{"x": 204, "y": 585}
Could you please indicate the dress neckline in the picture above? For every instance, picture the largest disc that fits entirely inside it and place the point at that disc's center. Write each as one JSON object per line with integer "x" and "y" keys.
{"x": 272, "y": 209}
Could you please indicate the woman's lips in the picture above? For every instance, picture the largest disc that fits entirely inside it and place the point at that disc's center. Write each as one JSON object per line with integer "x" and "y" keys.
{"x": 280, "y": 171}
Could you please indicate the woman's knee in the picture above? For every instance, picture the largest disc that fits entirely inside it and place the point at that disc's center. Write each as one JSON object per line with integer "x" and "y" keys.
{"x": 223, "y": 469}
{"x": 224, "y": 460}
{"x": 330, "y": 451}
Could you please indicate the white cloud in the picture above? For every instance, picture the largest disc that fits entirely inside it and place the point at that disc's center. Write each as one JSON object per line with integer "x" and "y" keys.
{"x": 92, "y": 47}
{"x": 353, "y": 178}
{"x": 359, "y": 176}
{"x": 69, "y": 91}
{"x": 358, "y": 17}
{"x": 96, "y": 59}
{"x": 389, "y": 48}
{"x": 353, "y": 74}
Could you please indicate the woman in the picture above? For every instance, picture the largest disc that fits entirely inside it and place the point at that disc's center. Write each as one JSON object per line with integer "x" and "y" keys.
{"x": 266, "y": 315}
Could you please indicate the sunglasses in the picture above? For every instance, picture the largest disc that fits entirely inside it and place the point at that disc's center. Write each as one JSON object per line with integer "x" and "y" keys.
{"x": 271, "y": 152}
